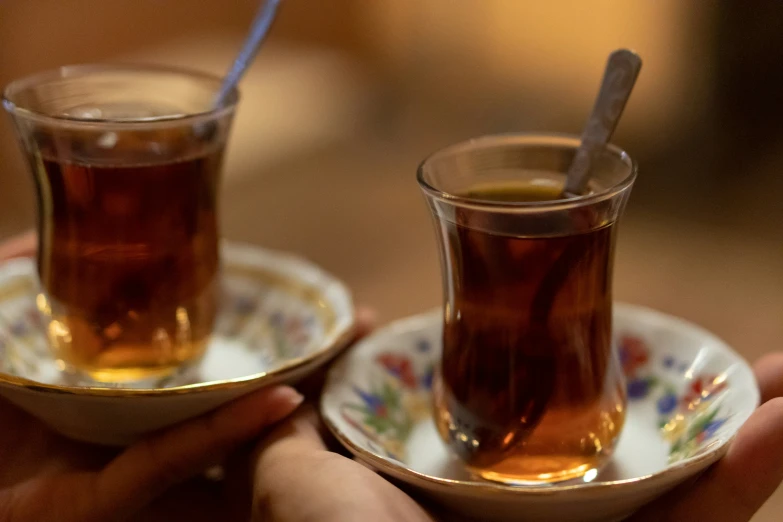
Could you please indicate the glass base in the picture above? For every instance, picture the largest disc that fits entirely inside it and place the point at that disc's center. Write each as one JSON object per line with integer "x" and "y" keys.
{"x": 124, "y": 375}
{"x": 129, "y": 377}
{"x": 506, "y": 474}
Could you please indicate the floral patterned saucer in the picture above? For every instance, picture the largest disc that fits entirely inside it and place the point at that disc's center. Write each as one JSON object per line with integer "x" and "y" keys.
{"x": 688, "y": 395}
{"x": 281, "y": 318}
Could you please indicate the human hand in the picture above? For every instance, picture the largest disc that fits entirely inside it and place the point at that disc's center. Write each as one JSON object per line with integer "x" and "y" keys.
{"x": 44, "y": 476}
{"x": 298, "y": 480}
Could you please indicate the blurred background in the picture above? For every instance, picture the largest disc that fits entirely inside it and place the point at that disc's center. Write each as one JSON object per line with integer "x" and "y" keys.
{"x": 348, "y": 96}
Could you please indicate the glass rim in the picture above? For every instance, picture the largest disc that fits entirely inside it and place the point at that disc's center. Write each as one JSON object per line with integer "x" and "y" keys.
{"x": 524, "y": 139}
{"x": 85, "y": 70}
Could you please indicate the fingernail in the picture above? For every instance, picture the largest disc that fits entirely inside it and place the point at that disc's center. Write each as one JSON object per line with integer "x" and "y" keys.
{"x": 289, "y": 395}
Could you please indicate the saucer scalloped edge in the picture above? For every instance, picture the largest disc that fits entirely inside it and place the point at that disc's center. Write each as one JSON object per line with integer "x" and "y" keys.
{"x": 280, "y": 318}
{"x": 688, "y": 395}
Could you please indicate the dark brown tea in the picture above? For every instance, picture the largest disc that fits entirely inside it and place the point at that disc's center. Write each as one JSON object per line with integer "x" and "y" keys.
{"x": 529, "y": 388}
{"x": 129, "y": 261}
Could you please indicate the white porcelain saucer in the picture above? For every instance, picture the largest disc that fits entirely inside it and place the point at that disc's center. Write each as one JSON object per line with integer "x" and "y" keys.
{"x": 688, "y": 395}
{"x": 281, "y": 318}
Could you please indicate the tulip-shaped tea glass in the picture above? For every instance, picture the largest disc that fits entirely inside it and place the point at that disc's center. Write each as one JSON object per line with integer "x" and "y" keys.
{"x": 529, "y": 388}
{"x": 126, "y": 162}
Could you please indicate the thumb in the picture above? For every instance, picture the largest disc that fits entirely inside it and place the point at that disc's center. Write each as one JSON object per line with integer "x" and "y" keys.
{"x": 299, "y": 434}
{"x": 148, "y": 468}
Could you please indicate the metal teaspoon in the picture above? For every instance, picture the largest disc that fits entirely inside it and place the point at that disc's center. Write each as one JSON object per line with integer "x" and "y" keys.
{"x": 258, "y": 32}
{"x": 620, "y": 75}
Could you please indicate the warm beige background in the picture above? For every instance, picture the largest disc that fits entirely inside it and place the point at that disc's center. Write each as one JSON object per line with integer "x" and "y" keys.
{"x": 349, "y": 95}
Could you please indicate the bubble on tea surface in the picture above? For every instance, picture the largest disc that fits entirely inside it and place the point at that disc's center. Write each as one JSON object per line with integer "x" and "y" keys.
{"x": 108, "y": 140}
{"x": 84, "y": 113}
{"x": 123, "y": 111}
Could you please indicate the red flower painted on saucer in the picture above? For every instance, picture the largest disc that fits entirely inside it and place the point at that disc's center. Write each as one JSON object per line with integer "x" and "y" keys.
{"x": 703, "y": 387}
{"x": 634, "y": 354}
{"x": 399, "y": 366}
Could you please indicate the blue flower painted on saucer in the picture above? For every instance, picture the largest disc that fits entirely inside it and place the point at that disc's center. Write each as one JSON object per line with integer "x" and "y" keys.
{"x": 373, "y": 402}
{"x": 688, "y": 418}
{"x": 423, "y": 346}
{"x": 667, "y": 403}
{"x": 245, "y": 305}
{"x": 381, "y": 416}
{"x": 390, "y": 407}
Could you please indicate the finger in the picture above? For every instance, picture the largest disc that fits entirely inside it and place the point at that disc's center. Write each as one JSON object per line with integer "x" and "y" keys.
{"x": 22, "y": 245}
{"x": 769, "y": 373}
{"x": 299, "y": 434}
{"x": 737, "y": 485}
{"x": 153, "y": 465}
{"x": 331, "y": 488}
{"x": 296, "y": 436}
{"x": 366, "y": 319}
{"x": 296, "y": 479}
{"x": 294, "y": 439}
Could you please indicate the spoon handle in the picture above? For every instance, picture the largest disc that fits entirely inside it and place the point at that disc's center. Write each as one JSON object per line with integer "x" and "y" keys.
{"x": 258, "y": 31}
{"x": 620, "y": 74}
